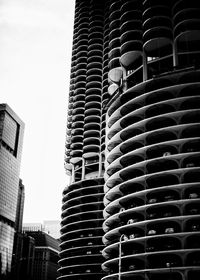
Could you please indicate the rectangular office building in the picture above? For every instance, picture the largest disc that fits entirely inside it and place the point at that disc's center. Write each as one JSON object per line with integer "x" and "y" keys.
{"x": 11, "y": 138}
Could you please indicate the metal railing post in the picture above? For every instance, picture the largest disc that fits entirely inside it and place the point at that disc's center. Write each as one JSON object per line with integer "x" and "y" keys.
{"x": 120, "y": 255}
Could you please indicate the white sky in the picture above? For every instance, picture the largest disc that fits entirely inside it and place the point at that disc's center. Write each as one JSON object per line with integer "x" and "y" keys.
{"x": 35, "y": 57}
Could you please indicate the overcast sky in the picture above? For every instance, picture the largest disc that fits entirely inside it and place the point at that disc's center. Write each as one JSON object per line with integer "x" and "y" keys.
{"x": 35, "y": 57}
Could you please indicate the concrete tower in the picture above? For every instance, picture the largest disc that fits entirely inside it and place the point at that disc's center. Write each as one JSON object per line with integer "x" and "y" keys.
{"x": 135, "y": 71}
{"x": 82, "y": 210}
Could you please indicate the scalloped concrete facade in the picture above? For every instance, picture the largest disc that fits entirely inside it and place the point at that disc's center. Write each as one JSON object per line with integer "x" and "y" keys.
{"x": 82, "y": 210}
{"x": 152, "y": 156}
{"x": 132, "y": 145}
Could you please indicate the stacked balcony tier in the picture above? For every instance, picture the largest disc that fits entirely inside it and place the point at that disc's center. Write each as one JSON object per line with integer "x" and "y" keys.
{"x": 75, "y": 122}
{"x": 186, "y": 21}
{"x": 81, "y": 232}
{"x": 152, "y": 179}
{"x": 92, "y": 120}
{"x": 131, "y": 34}
{"x": 114, "y": 41}
{"x": 157, "y": 27}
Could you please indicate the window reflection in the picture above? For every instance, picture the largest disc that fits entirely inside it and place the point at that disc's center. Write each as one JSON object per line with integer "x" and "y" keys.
{"x": 6, "y": 241}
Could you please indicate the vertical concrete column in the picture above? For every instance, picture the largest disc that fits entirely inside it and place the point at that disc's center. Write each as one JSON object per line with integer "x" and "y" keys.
{"x": 73, "y": 173}
{"x": 100, "y": 165}
{"x": 144, "y": 66}
{"x": 83, "y": 169}
{"x": 175, "y": 55}
{"x": 124, "y": 80}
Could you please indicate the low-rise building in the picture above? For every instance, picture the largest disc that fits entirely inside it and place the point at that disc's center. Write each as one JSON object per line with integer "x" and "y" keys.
{"x": 45, "y": 263}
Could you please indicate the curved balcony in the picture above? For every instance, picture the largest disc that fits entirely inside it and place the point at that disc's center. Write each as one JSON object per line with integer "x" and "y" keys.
{"x": 94, "y": 64}
{"x": 91, "y": 133}
{"x": 95, "y": 45}
{"x": 93, "y": 111}
{"x": 91, "y": 105}
{"x": 114, "y": 34}
{"x": 93, "y": 84}
{"x": 95, "y": 97}
{"x": 115, "y": 72}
